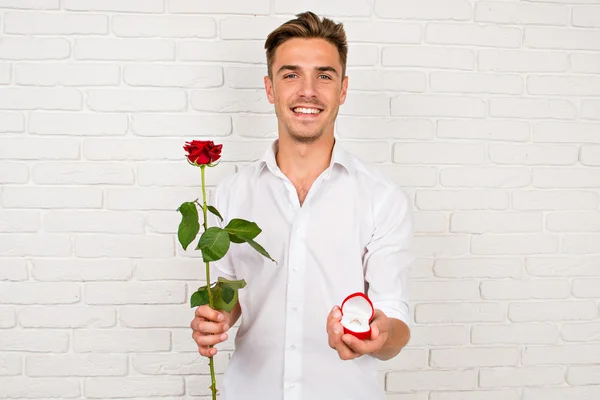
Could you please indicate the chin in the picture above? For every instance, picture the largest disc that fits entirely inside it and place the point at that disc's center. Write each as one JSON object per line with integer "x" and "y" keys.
{"x": 305, "y": 137}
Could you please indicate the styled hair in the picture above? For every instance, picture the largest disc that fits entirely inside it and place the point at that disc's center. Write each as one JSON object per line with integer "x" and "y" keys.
{"x": 308, "y": 25}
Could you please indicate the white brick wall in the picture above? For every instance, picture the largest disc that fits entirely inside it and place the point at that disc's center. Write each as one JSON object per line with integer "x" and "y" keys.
{"x": 487, "y": 112}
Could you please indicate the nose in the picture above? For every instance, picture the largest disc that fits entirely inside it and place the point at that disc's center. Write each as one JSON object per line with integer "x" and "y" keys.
{"x": 307, "y": 88}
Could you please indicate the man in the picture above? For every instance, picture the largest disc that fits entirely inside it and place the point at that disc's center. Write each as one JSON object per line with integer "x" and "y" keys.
{"x": 335, "y": 227}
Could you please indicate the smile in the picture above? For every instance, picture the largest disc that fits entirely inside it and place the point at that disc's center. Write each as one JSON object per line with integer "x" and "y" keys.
{"x": 304, "y": 110}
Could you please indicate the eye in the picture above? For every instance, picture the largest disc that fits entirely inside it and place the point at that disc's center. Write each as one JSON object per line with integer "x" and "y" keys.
{"x": 323, "y": 76}
{"x": 290, "y": 76}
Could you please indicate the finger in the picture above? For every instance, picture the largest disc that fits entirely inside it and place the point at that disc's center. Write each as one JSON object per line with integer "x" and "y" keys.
{"x": 209, "y": 340}
{"x": 361, "y": 346}
{"x": 207, "y": 351}
{"x": 210, "y": 327}
{"x": 345, "y": 352}
{"x": 374, "y": 332}
{"x": 208, "y": 313}
{"x": 335, "y": 334}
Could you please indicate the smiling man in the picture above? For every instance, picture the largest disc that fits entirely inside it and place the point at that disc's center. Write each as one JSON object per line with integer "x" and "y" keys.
{"x": 335, "y": 226}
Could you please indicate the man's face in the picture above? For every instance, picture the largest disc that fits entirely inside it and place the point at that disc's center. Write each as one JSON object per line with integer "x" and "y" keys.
{"x": 307, "y": 88}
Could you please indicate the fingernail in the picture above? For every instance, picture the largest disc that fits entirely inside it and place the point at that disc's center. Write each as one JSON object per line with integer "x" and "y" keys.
{"x": 337, "y": 314}
{"x": 224, "y": 336}
{"x": 225, "y": 328}
{"x": 220, "y": 317}
{"x": 336, "y": 330}
{"x": 213, "y": 351}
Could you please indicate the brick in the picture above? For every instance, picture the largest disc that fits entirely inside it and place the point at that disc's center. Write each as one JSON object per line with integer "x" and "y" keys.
{"x": 138, "y": 386}
{"x": 67, "y": 317}
{"x": 521, "y": 61}
{"x": 569, "y": 354}
{"x": 12, "y": 172}
{"x": 77, "y": 365}
{"x": 482, "y": 267}
{"x": 368, "y": 152}
{"x": 411, "y": 359}
{"x": 586, "y": 16}
{"x": 437, "y": 245}
{"x": 134, "y": 293}
{"x": 580, "y": 332}
{"x": 120, "y": 341}
{"x": 439, "y": 335}
{"x": 251, "y": 101}
{"x": 565, "y": 178}
{"x": 487, "y": 222}
{"x": 12, "y": 122}
{"x": 161, "y": 316}
{"x": 552, "y": 311}
{"x": 124, "y": 49}
{"x": 590, "y": 109}
{"x": 402, "y": 81}
{"x": 13, "y": 269}
{"x": 24, "y": 244}
{"x": 179, "y": 174}
{"x": 586, "y": 288}
{"x": 242, "y": 51}
{"x": 475, "y": 357}
{"x": 178, "y": 364}
{"x": 137, "y": 6}
{"x": 473, "y": 35}
{"x": 26, "y": 23}
{"x": 366, "y": 105}
{"x": 19, "y": 221}
{"x": 248, "y": 27}
{"x": 525, "y": 289}
{"x": 77, "y": 124}
{"x": 408, "y": 396}
{"x": 22, "y": 98}
{"x": 245, "y": 77}
{"x": 521, "y": 376}
{"x": 566, "y": 39}
{"x": 562, "y": 266}
{"x": 31, "y": 4}
{"x": 461, "y": 200}
{"x": 497, "y": 130}
{"x": 135, "y": 246}
{"x": 181, "y": 125}
{"x": 568, "y": 85}
{"x": 81, "y": 270}
{"x": 430, "y": 222}
{"x": 573, "y": 222}
{"x": 566, "y": 132}
{"x": 431, "y": 380}
{"x": 34, "y": 149}
{"x": 257, "y": 126}
{"x": 458, "y": 10}
{"x": 162, "y": 26}
{"x": 136, "y": 100}
{"x": 200, "y": 385}
{"x": 562, "y": 393}
{"x": 444, "y": 290}
{"x": 585, "y": 62}
{"x": 22, "y": 387}
{"x": 163, "y": 222}
{"x": 410, "y": 175}
{"x": 491, "y": 177}
{"x": 428, "y": 57}
{"x": 5, "y": 74}
{"x": 173, "y": 76}
{"x": 521, "y": 13}
{"x": 515, "y": 334}
{"x": 30, "y": 48}
{"x": 51, "y": 197}
{"x": 8, "y": 318}
{"x": 532, "y": 108}
{"x": 587, "y": 375}
{"x": 460, "y": 82}
{"x": 383, "y": 32}
{"x": 149, "y": 198}
{"x": 581, "y": 244}
{"x": 34, "y": 341}
{"x": 438, "y": 106}
{"x": 337, "y": 8}
{"x": 554, "y": 200}
{"x": 438, "y": 153}
{"x": 459, "y": 312}
{"x": 94, "y": 221}
{"x": 519, "y": 244}
{"x": 590, "y": 155}
{"x": 66, "y": 74}
{"x": 533, "y": 155}
{"x": 476, "y": 395}
{"x": 221, "y": 7}
{"x": 362, "y": 55}
{"x": 166, "y": 269}
{"x": 39, "y": 293}
{"x": 12, "y": 364}
{"x": 82, "y": 173}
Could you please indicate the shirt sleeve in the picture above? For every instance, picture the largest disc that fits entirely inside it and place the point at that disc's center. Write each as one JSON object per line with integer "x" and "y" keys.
{"x": 390, "y": 254}
{"x": 223, "y": 267}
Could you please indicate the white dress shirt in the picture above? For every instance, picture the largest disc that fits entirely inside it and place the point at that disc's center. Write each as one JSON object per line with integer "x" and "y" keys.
{"x": 353, "y": 233}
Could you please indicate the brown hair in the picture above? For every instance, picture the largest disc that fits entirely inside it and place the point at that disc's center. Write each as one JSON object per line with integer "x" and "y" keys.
{"x": 308, "y": 25}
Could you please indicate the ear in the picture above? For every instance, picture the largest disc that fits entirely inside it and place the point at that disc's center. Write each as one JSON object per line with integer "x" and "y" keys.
{"x": 269, "y": 89}
{"x": 344, "y": 90}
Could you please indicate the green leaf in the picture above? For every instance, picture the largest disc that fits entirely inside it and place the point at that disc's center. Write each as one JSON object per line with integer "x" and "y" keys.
{"x": 228, "y": 294}
{"x": 214, "y": 244}
{"x": 235, "y": 239}
{"x": 219, "y": 303}
{"x": 200, "y": 297}
{"x": 189, "y": 225}
{"x": 215, "y": 212}
{"x": 239, "y": 284}
{"x": 260, "y": 249}
{"x": 243, "y": 229}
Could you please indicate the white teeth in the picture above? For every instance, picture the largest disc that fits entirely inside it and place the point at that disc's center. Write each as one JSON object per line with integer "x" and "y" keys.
{"x": 306, "y": 110}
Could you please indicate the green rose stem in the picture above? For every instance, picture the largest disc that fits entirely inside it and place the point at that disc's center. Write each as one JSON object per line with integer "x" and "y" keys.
{"x": 213, "y": 386}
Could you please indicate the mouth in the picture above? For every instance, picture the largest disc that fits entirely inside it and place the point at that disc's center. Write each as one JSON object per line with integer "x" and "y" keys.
{"x": 306, "y": 112}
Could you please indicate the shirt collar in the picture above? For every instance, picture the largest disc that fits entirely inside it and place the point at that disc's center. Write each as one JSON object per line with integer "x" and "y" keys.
{"x": 338, "y": 156}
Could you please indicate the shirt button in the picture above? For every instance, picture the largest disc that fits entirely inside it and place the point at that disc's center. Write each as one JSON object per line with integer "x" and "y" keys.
{"x": 295, "y": 308}
{"x": 293, "y": 347}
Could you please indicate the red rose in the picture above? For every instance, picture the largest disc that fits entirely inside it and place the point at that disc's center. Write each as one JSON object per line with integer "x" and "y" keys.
{"x": 202, "y": 152}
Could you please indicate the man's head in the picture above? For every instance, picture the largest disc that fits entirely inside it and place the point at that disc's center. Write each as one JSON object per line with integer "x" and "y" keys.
{"x": 306, "y": 79}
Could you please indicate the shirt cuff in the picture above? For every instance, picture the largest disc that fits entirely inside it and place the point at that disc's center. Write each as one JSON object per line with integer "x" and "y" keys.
{"x": 394, "y": 309}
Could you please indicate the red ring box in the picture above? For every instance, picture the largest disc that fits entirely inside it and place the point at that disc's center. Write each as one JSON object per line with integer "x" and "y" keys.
{"x": 357, "y": 313}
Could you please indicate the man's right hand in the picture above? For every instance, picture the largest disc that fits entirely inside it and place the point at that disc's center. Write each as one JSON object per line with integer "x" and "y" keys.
{"x": 209, "y": 328}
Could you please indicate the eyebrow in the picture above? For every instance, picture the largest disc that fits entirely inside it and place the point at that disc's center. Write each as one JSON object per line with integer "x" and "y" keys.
{"x": 325, "y": 68}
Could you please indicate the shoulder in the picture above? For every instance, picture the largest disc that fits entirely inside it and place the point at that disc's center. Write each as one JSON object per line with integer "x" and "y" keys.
{"x": 236, "y": 184}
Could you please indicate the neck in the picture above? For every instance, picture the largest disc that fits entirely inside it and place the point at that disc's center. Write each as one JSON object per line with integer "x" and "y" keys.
{"x": 304, "y": 161}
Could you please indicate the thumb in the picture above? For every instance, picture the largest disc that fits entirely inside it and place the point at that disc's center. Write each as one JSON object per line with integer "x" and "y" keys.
{"x": 374, "y": 332}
